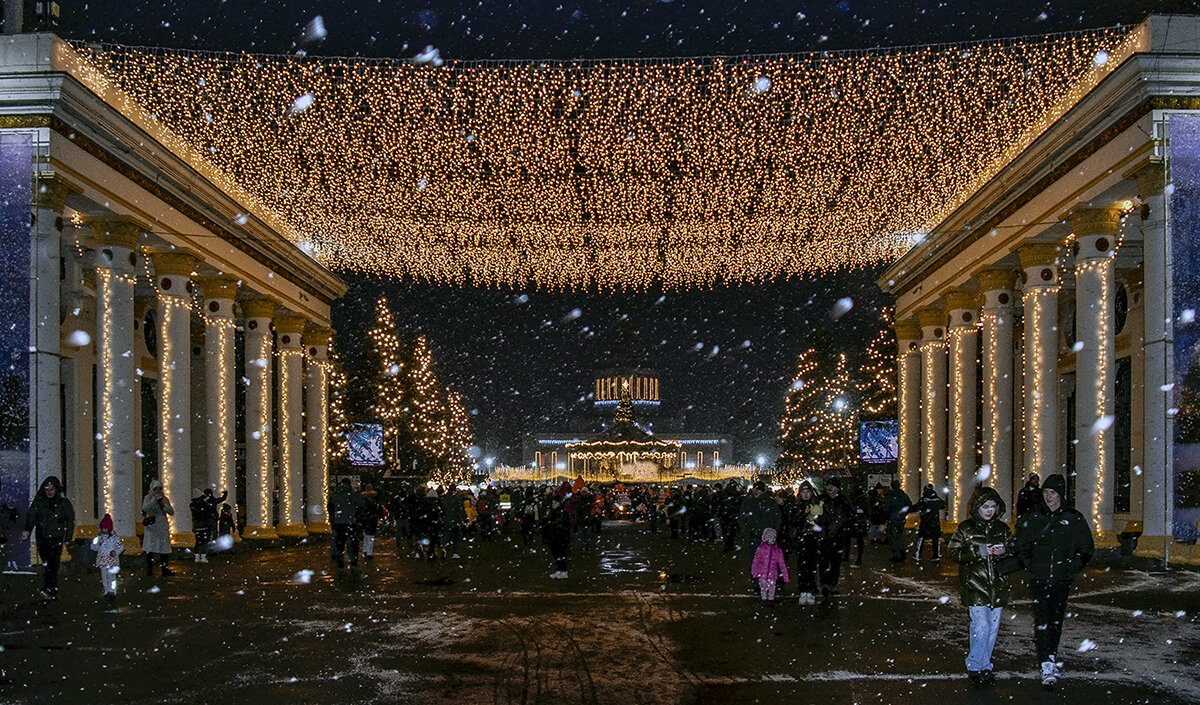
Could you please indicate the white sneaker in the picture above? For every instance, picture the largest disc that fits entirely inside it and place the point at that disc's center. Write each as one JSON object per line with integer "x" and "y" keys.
{"x": 806, "y": 598}
{"x": 455, "y": 556}
{"x": 558, "y": 575}
{"x": 1049, "y": 674}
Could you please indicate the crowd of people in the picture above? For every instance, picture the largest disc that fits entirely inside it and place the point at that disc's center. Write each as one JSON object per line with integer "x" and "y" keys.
{"x": 817, "y": 529}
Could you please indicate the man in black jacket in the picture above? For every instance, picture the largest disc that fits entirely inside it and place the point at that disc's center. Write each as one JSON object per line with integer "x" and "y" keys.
{"x": 1030, "y": 496}
{"x": 837, "y": 515}
{"x": 896, "y": 506}
{"x": 51, "y": 518}
{"x": 1054, "y": 543}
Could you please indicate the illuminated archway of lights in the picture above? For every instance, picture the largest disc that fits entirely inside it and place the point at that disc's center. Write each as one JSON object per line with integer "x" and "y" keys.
{"x": 613, "y": 174}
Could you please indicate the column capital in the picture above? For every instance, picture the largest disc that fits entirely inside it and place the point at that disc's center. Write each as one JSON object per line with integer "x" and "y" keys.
{"x": 1091, "y": 220}
{"x": 1151, "y": 177}
{"x": 317, "y": 335}
{"x": 908, "y": 329}
{"x": 218, "y": 287}
{"x": 962, "y": 305}
{"x": 115, "y": 231}
{"x": 172, "y": 262}
{"x": 52, "y": 194}
{"x": 932, "y": 316}
{"x": 290, "y": 323}
{"x": 258, "y": 308}
{"x": 1038, "y": 254}
{"x": 996, "y": 279}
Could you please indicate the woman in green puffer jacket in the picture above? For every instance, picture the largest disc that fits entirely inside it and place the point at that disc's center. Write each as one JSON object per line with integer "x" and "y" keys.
{"x": 977, "y": 545}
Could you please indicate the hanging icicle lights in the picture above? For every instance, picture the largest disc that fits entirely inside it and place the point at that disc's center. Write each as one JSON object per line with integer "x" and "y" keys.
{"x": 613, "y": 174}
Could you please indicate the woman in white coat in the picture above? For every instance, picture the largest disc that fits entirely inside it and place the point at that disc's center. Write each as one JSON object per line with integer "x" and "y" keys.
{"x": 156, "y": 541}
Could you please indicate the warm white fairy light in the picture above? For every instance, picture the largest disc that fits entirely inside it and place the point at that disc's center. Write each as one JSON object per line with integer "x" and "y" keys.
{"x": 287, "y": 426}
{"x": 957, "y": 336}
{"x": 169, "y": 307}
{"x": 933, "y": 352}
{"x": 104, "y": 280}
{"x": 615, "y": 174}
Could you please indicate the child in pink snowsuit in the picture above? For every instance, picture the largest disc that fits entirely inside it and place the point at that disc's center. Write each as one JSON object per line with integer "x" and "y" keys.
{"x": 768, "y": 566}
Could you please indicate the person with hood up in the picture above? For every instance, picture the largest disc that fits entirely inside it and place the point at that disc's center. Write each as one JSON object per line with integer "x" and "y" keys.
{"x": 156, "y": 537}
{"x": 930, "y": 505}
{"x": 836, "y": 515}
{"x": 345, "y": 507}
{"x": 1054, "y": 543}
{"x": 108, "y": 548}
{"x": 806, "y": 541}
{"x": 896, "y": 506}
{"x": 977, "y": 546}
{"x": 768, "y": 566}
{"x": 51, "y": 520}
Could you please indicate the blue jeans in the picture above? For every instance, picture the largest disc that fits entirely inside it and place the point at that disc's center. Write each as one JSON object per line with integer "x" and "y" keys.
{"x": 985, "y": 623}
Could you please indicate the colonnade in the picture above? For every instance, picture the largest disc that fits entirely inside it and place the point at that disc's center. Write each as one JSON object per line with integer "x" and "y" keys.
{"x": 295, "y": 506}
{"x": 974, "y": 328}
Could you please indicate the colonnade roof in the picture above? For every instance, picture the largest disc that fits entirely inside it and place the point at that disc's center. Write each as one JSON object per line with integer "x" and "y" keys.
{"x": 618, "y": 174}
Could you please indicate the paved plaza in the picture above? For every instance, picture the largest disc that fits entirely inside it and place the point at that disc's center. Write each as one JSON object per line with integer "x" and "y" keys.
{"x": 644, "y": 619}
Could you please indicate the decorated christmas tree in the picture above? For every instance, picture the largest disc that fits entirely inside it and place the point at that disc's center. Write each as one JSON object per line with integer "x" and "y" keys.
{"x": 387, "y": 404}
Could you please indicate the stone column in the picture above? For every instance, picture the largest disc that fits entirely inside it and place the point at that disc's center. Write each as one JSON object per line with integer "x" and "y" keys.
{"x": 116, "y": 381}
{"x": 259, "y": 477}
{"x": 45, "y": 369}
{"x": 289, "y": 329}
{"x": 1095, "y": 232}
{"x": 963, "y": 375}
{"x": 1040, "y": 299}
{"x": 908, "y": 389}
{"x": 997, "y": 287}
{"x": 316, "y": 417}
{"x": 1159, "y": 376}
{"x": 219, "y": 294}
{"x": 173, "y": 279}
{"x": 933, "y": 397}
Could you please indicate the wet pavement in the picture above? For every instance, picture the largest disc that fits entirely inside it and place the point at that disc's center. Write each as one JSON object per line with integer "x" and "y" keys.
{"x": 641, "y": 619}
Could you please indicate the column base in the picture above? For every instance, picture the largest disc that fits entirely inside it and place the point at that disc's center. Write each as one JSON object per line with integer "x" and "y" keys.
{"x": 261, "y": 533}
{"x": 318, "y": 527}
{"x": 183, "y": 539}
{"x": 1151, "y": 546}
{"x": 1184, "y": 554}
{"x": 291, "y": 530}
{"x": 133, "y": 545}
{"x": 87, "y": 532}
{"x": 1105, "y": 539}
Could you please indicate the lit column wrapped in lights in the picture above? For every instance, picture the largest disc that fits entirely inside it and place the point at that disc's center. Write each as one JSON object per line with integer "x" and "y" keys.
{"x": 259, "y": 479}
{"x": 316, "y": 415}
{"x": 996, "y": 285}
{"x": 219, "y": 294}
{"x": 289, "y": 329}
{"x": 1039, "y": 295}
{"x": 1095, "y": 231}
{"x": 172, "y": 278}
{"x": 1158, "y": 464}
{"x": 115, "y": 279}
{"x": 908, "y": 387}
{"x": 933, "y": 397}
{"x": 963, "y": 355}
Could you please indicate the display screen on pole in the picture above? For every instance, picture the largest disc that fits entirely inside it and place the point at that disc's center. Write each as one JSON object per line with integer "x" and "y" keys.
{"x": 878, "y": 441}
{"x": 365, "y": 444}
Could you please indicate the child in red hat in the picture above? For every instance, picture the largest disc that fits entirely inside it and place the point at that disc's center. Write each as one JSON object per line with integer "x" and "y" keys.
{"x": 108, "y": 547}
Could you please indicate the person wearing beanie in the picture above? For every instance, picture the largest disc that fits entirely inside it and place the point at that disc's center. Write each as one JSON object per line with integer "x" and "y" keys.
{"x": 837, "y": 514}
{"x": 806, "y": 541}
{"x": 51, "y": 520}
{"x": 769, "y": 566}
{"x": 977, "y": 546}
{"x": 108, "y": 548}
{"x": 1030, "y": 496}
{"x": 1054, "y": 543}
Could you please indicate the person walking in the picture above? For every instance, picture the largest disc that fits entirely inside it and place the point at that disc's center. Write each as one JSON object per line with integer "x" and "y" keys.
{"x": 370, "y": 513}
{"x": 768, "y": 566}
{"x": 1054, "y": 543}
{"x": 806, "y": 542}
{"x": 51, "y": 521}
{"x": 205, "y": 516}
{"x": 10, "y": 521}
{"x": 156, "y": 534}
{"x": 758, "y": 511}
{"x": 977, "y": 546}
{"x": 1030, "y": 496}
{"x": 896, "y": 506}
{"x": 837, "y": 513}
{"x": 930, "y": 505}
{"x": 108, "y": 548}
{"x": 455, "y": 516}
{"x": 344, "y": 508}
{"x": 556, "y": 532}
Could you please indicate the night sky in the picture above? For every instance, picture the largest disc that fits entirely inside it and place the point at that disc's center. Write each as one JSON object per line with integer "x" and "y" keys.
{"x": 523, "y": 359}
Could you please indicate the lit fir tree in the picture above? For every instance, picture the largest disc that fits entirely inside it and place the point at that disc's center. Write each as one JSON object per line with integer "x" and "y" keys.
{"x": 384, "y": 354}
{"x": 428, "y": 420}
{"x": 817, "y": 432}
{"x": 875, "y": 382}
{"x": 338, "y": 423}
{"x": 458, "y": 440}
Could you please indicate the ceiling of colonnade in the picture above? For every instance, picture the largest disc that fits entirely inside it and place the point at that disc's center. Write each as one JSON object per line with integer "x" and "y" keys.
{"x": 612, "y": 174}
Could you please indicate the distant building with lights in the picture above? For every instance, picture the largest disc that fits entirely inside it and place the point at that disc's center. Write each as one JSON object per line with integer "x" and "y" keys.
{"x": 154, "y": 325}
{"x": 1048, "y": 324}
{"x": 627, "y": 408}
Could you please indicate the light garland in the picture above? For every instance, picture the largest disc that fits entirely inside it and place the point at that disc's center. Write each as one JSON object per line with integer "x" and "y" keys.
{"x": 287, "y": 422}
{"x": 957, "y": 339}
{"x": 105, "y": 277}
{"x": 169, "y": 306}
{"x": 1033, "y": 298}
{"x": 262, "y": 379}
{"x": 929, "y": 350}
{"x": 614, "y": 174}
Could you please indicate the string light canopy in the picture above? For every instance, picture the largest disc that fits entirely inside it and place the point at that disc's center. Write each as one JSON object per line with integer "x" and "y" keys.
{"x": 617, "y": 174}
